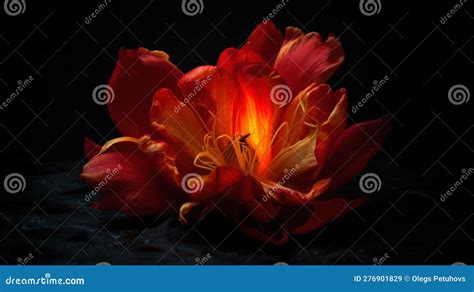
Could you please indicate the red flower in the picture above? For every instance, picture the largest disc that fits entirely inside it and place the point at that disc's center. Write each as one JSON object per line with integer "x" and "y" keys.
{"x": 258, "y": 136}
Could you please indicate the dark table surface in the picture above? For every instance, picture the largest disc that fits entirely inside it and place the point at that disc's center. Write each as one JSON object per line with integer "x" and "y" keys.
{"x": 404, "y": 223}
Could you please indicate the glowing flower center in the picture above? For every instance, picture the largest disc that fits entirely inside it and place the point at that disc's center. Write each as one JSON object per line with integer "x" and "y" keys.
{"x": 258, "y": 125}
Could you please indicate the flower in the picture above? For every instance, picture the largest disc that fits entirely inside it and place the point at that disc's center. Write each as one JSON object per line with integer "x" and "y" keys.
{"x": 259, "y": 136}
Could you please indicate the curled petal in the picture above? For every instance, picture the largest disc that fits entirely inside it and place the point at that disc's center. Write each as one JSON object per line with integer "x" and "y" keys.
{"x": 185, "y": 209}
{"x": 312, "y": 106}
{"x": 178, "y": 120}
{"x": 266, "y": 41}
{"x": 292, "y": 197}
{"x": 353, "y": 149}
{"x": 136, "y": 77}
{"x": 236, "y": 193}
{"x": 195, "y": 87}
{"x": 190, "y": 80}
{"x": 224, "y": 89}
{"x": 314, "y": 119}
{"x": 305, "y": 59}
{"x": 233, "y": 59}
{"x": 330, "y": 130}
{"x": 217, "y": 183}
{"x": 128, "y": 180}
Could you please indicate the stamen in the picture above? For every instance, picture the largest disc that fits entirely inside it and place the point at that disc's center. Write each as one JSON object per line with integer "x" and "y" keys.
{"x": 112, "y": 142}
{"x": 237, "y": 153}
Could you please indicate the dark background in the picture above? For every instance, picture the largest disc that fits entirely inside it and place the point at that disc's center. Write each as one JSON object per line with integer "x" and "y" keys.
{"x": 43, "y": 129}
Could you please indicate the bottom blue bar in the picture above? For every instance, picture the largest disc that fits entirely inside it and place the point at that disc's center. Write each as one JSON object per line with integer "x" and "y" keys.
{"x": 237, "y": 278}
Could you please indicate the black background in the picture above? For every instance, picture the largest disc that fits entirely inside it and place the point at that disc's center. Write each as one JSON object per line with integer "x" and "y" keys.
{"x": 431, "y": 141}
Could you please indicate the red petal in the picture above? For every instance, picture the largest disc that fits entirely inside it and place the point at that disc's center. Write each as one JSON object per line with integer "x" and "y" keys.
{"x": 188, "y": 82}
{"x": 128, "y": 180}
{"x": 322, "y": 101}
{"x": 218, "y": 182}
{"x": 305, "y": 59}
{"x": 289, "y": 196}
{"x": 331, "y": 129}
{"x": 224, "y": 89}
{"x": 179, "y": 120}
{"x": 353, "y": 149}
{"x": 236, "y": 193}
{"x": 233, "y": 59}
{"x": 195, "y": 87}
{"x": 137, "y": 76}
{"x": 266, "y": 41}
